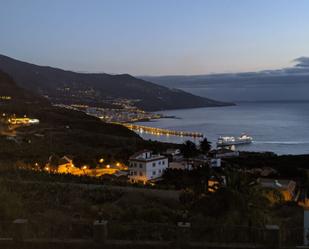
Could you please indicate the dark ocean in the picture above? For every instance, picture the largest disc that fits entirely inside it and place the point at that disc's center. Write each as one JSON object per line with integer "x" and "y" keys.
{"x": 281, "y": 127}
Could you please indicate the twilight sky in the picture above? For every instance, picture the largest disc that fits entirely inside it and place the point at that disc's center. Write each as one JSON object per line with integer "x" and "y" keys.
{"x": 155, "y": 37}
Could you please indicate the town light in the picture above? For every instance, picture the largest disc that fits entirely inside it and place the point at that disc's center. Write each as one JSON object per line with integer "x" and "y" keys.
{"x": 108, "y": 166}
{"x": 101, "y": 160}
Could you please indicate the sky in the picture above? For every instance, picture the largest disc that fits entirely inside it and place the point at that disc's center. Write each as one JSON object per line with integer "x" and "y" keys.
{"x": 156, "y": 37}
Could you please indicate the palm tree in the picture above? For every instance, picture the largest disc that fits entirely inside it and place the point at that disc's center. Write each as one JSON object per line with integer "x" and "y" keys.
{"x": 248, "y": 197}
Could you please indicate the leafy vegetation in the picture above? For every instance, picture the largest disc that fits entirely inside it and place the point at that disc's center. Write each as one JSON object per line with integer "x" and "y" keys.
{"x": 189, "y": 149}
{"x": 205, "y": 146}
{"x": 289, "y": 166}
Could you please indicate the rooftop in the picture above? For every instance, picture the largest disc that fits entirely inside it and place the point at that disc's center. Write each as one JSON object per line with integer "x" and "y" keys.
{"x": 146, "y": 155}
{"x": 274, "y": 183}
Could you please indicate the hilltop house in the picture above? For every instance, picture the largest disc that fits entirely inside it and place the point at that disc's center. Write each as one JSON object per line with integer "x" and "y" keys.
{"x": 63, "y": 165}
{"x": 173, "y": 154}
{"x": 214, "y": 183}
{"x": 145, "y": 166}
{"x": 286, "y": 187}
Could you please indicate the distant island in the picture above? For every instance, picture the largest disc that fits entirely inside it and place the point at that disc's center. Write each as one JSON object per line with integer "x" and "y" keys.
{"x": 286, "y": 84}
{"x": 99, "y": 89}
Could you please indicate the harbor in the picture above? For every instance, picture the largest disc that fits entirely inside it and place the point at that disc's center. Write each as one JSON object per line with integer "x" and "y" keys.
{"x": 160, "y": 131}
{"x": 283, "y": 133}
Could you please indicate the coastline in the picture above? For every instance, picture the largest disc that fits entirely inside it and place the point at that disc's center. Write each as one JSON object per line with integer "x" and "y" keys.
{"x": 282, "y": 128}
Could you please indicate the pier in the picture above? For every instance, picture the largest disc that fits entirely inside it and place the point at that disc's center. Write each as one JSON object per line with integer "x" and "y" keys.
{"x": 160, "y": 131}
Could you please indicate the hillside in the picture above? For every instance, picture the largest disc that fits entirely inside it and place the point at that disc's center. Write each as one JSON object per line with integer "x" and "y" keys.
{"x": 24, "y": 102}
{"x": 60, "y": 131}
{"x": 14, "y": 99}
{"x": 87, "y": 88}
{"x": 14, "y": 94}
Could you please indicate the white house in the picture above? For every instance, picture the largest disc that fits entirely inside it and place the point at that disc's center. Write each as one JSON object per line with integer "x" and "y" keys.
{"x": 181, "y": 164}
{"x": 145, "y": 166}
{"x": 215, "y": 163}
{"x": 173, "y": 154}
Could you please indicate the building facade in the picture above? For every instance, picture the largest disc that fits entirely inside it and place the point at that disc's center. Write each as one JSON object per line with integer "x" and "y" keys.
{"x": 144, "y": 166}
{"x": 286, "y": 187}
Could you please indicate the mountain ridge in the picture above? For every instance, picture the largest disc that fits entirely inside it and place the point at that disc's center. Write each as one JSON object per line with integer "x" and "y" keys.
{"x": 59, "y": 83}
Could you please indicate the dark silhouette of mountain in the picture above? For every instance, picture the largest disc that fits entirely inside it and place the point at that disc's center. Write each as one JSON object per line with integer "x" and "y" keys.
{"x": 88, "y": 87}
{"x": 12, "y": 94}
{"x": 23, "y": 102}
{"x": 62, "y": 131}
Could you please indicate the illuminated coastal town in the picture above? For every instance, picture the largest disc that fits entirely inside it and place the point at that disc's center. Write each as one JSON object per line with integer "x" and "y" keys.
{"x": 166, "y": 124}
{"x": 125, "y": 113}
{"x": 127, "y": 116}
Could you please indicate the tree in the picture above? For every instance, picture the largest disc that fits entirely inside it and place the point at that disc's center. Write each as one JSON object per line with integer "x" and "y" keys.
{"x": 241, "y": 201}
{"x": 205, "y": 146}
{"x": 189, "y": 149}
{"x": 248, "y": 197}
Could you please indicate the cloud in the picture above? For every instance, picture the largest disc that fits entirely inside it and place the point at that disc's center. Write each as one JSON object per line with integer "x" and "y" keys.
{"x": 302, "y": 62}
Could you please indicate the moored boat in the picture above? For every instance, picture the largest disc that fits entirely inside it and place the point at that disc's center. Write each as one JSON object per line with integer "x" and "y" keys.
{"x": 242, "y": 139}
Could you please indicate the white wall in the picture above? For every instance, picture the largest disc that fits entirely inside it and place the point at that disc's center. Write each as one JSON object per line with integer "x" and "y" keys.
{"x": 156, "y": 168}
{"x": 144, "y": 171}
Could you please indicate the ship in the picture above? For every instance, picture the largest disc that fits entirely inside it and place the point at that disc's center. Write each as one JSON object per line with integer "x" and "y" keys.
{"x": 227, "y": 141}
